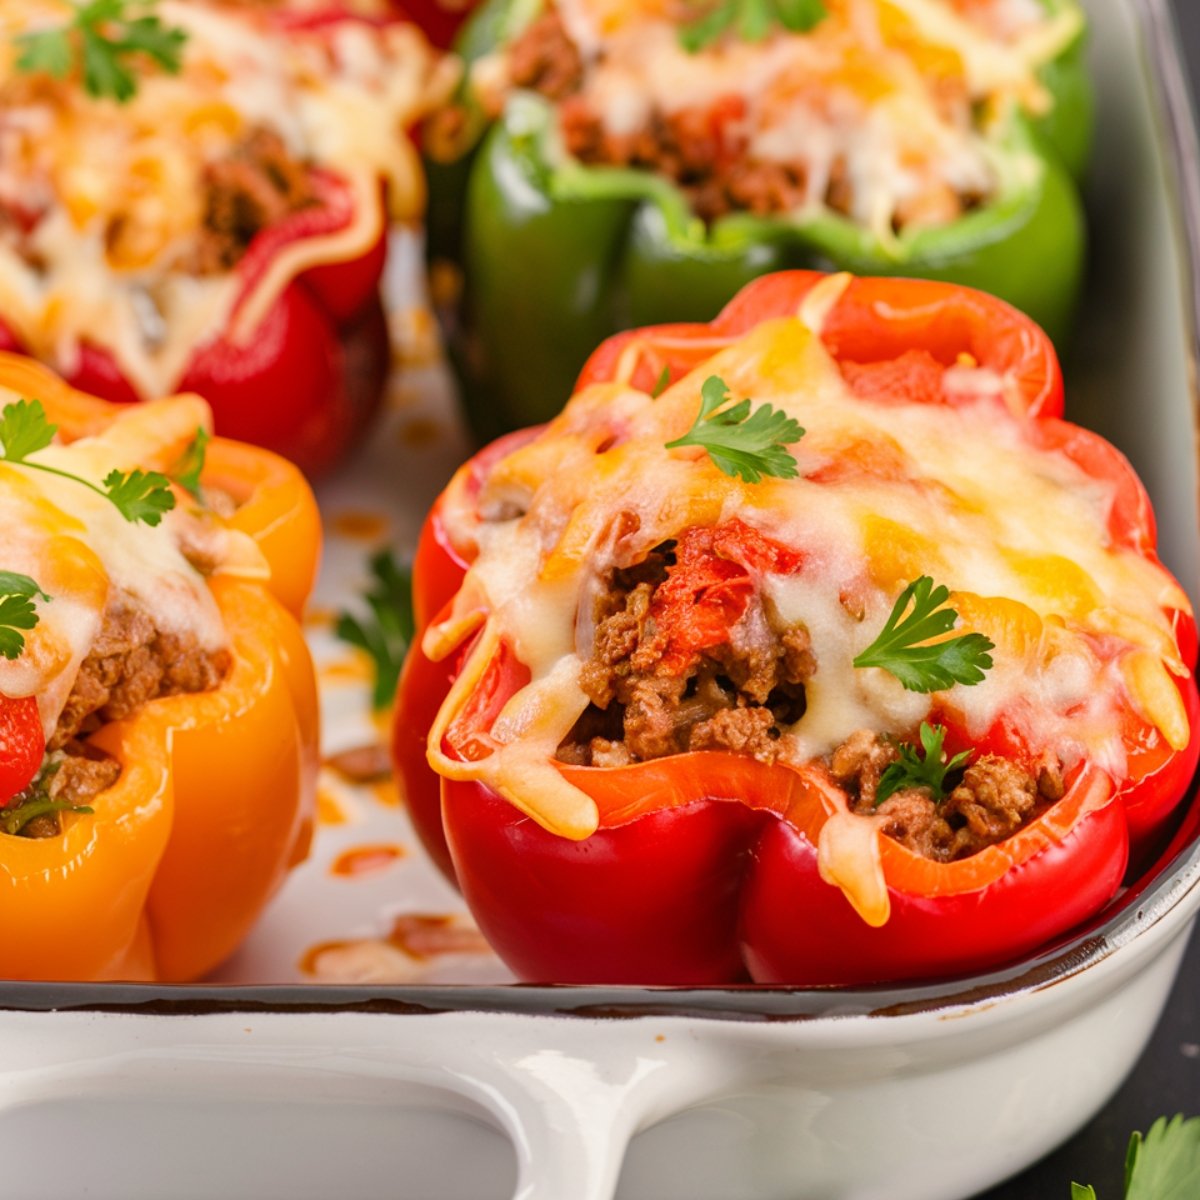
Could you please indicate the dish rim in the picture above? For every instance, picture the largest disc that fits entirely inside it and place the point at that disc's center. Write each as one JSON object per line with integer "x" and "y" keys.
{"x": 1164, "y": 888}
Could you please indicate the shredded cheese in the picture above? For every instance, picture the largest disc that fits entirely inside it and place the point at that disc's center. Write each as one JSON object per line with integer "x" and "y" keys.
{"x": 885, "y": 111}
{"x": 1083, "y": 628}
{"x": 81, "y": 551}
{"x": 101, "y": 204}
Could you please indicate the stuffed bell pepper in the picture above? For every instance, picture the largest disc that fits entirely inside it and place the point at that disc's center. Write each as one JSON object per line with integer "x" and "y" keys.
{"x": 616, "y": 164}
{"x": 811, "y": 646}
{"x": 158, "y": 708}
{"x": 196, "y": 196}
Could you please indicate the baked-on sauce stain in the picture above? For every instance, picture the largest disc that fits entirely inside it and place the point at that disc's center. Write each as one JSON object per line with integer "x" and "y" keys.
{"x": 329, "y": 809}
{"x": 365, "y": 860}
{"x": 414, "y": 938}
{"x": 360, "y": 525}
{"x": 367, "y": 763}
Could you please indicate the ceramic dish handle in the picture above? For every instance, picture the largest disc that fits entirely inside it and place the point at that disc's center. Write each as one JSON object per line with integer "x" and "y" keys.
{"x": 571, "y": 1094}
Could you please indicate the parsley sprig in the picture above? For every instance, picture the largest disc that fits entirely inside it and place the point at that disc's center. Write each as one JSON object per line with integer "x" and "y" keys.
{"x": 926, "y": 768}
{"x": 741, "y": 442}
{"x": 751, "y": 20}
{"x": 191, "y": 464}
{"x": 35, "y": 801}
{"x": 386, "y": 634}
{"x": 138, "y": 495}
{"x": 1163, "y": 1165}
{"x": 17, "y": 611}
{"x": 101, "y": 38}
{"x": 905, "y": 647}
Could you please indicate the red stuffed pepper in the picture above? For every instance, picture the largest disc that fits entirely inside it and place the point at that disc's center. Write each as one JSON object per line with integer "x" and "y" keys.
{"x": 196, "y": 197}
{"x": 810, "y": 646}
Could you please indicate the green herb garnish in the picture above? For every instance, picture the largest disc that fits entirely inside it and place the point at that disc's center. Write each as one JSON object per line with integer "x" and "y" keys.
{"x": 664, "y": 382}
{"x": 740, "y": 442}
{"x": 13, "y": 820}
{"x": 905, "y": 649}
{"x": 191, "y": 465}
{"x": 17, "y": 612}
{"x": 101, "y": 38}
{"x": 35, "y": 801}
{"x": 915, "y": 771}
{"x": 752, "y": 20}
{"x": 1163, "y": 1165}
{"x": 138, "y": 495}
{"x": 386, "y": 634}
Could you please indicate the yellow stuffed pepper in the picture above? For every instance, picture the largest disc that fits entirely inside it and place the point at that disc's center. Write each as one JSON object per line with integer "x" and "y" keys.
{"x": 158, "y": 714}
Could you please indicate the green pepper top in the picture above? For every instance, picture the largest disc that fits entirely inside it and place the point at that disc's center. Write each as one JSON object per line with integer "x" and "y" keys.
{"x": 887, "y": 112}
{"x": 693, "y": 145}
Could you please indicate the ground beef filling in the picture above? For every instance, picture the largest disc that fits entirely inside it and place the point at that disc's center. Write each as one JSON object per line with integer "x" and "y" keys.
{"x": 131, "y": 663}
{"x": 257, "y": 186}
{"x": 699, "y": 149}
{"x": 994, "y": 799}
{"x": 743, "y": 693}
{"x": 737, "y": 696}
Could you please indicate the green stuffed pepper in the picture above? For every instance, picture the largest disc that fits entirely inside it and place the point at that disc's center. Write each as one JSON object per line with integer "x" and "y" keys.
{"x": 627, "y": 162}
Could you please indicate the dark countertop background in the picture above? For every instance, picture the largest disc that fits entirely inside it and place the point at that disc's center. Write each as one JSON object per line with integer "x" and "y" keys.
{"x": 1167, "y": 1079}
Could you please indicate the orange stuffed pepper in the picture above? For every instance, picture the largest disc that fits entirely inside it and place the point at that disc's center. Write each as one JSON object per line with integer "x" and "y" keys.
{"x": 158, "y": 713}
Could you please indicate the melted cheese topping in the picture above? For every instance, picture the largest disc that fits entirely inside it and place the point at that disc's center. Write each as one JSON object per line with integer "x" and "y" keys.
{"x": 81, "y": 551}
{"x": 100, "y": 203}
{"x": 1083, "y": 628}
{"x": 885, "y": 105}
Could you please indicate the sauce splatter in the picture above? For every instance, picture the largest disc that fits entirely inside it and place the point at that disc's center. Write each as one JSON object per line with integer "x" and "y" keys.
{"x": 353, "y": 669}
{"x": 369, "y": 763}
{"x": 316, "y": 617}
{"x": 420, "y": 432}
{"x": 386, "y": 793}
{"x": 365, "y": 860}
{"x": 426, "y": 935}
{"x": 329, "y": 809}
{"x": 414, "y": 941}
{"x": 360, "y": 525}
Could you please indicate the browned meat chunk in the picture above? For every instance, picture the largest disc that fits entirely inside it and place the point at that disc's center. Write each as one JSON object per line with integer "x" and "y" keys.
{"x": 913, "y": 819}
{"x": 734, "y": 696}
{"x": 741, "y": 730}
{"x": 131, "y": 663}
{"x": 994, "y": 800}
{"x": 256, "y": 187}
{"x": 82, "y": 774}
{"x": 545, "y": 59}
{"x": 858, "y": 763}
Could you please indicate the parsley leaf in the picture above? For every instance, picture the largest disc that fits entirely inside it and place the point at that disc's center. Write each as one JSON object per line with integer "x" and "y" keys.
{"x": 740, "y": 442}
{"x": 24, "y": 430}
{"x": 17, "y": 611}
{"x": 1163, "y": 1165}
{"x": 663, "y": 382}
{"x": 752, "y": 19}
{"x": 191, "y": 465}
{"x": 913, "y": 771}
{"x": 905, "y": 650}
{"x": 138, "y": 495}
{"x": 101, "y": 37}
{"x": 386, "y": 634}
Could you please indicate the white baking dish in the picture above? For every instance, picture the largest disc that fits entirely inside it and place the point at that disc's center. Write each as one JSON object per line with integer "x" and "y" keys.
{"x": 327, "y": 1059}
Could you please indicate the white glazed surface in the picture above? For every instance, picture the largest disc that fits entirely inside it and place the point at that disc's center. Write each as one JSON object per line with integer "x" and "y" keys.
{"x": 930, "y": 1104}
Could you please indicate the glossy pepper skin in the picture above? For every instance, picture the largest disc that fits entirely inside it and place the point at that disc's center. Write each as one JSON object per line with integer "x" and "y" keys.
{"x": 216, "y": 795}
{"x": 703, "y": 869}
{"x": 558, "y": 256}
{"x": 306, "y": 378}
